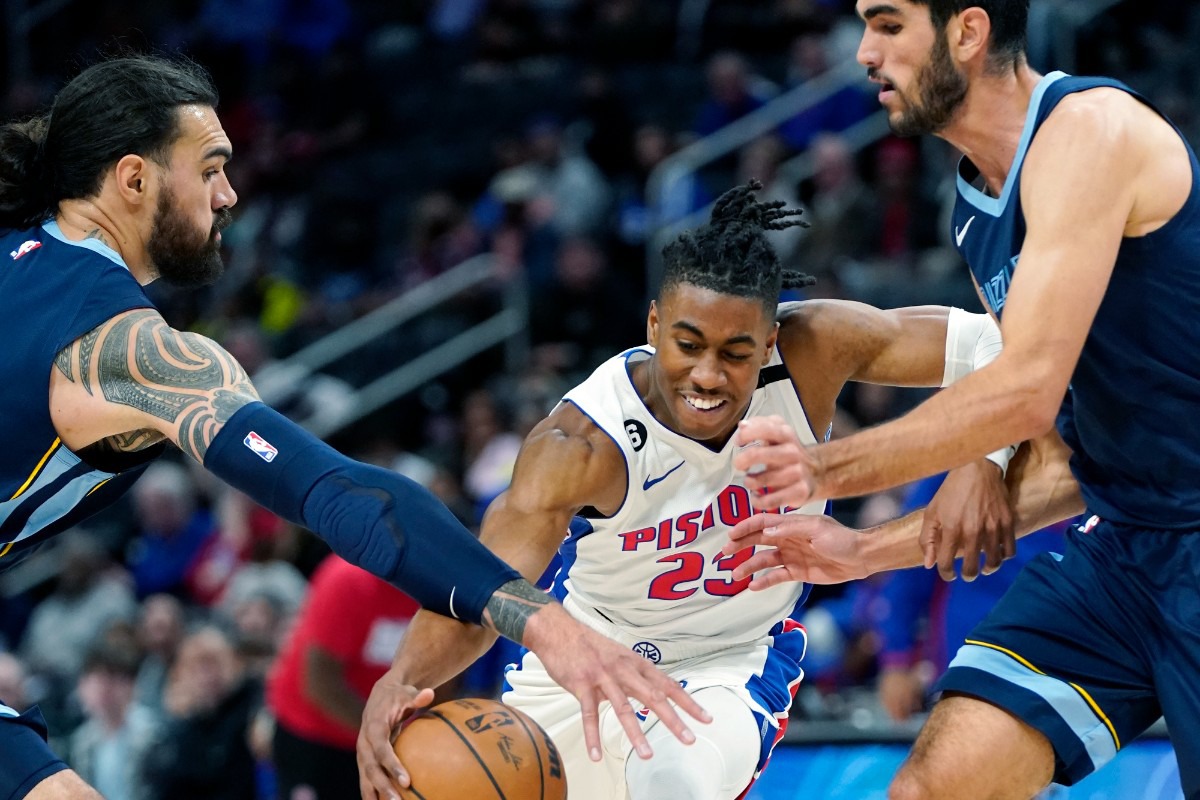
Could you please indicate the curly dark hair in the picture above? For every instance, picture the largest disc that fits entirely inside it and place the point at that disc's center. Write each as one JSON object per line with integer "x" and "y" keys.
{"x": 731, "y": 255}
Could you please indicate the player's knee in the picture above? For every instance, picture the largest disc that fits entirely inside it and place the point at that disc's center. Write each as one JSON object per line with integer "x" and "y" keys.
{"x": 667, "y": 778}
{"x": 718, "y": 766}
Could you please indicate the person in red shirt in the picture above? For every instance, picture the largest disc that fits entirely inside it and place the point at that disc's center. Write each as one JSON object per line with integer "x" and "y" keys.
{"x": 342, "y": 642}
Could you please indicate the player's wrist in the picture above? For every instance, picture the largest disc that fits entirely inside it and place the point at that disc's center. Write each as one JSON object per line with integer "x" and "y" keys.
{"x": 545, "y": 626}
{"x": 1001, "y": 458}
{"x": 892, "y": 545}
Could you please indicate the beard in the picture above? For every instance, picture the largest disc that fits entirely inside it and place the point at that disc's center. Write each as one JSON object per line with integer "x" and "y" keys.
{"x": 182, "y": 255}
{"x": 940, "y": 90}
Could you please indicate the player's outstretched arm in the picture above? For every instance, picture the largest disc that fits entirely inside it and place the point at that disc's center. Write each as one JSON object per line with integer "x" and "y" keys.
{"x": 850, "y": 341}
{"x": 817, "y": 549}
{"x": 134, "y": 377}
{"x": 1085, "y": 185}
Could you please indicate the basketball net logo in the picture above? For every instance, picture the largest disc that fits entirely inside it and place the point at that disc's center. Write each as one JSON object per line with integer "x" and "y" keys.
{"x": 492, "y": 719}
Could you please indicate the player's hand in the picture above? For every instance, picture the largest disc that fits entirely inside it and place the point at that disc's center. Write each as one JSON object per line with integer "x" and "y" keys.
{"x": 595, "y": 668}
{"x": 802, "y": 547}
{"x": 969, "y": 516}
{"x": 780, "y": 471}
{"x": 391, "y": 702}
{"x": 901, "y": 692}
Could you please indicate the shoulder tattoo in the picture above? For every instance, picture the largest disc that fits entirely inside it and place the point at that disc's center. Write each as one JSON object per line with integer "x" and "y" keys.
{"x": 182, "y": 378}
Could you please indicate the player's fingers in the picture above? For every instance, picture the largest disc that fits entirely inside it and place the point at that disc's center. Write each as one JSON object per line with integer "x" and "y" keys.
{"x": 629, "y": 721}
{"x": 763, "y": 430}
{"x": 660, "y": 703}
{"x": 373, "y": 775}
{"x": 974, "y": 546}
{"x": 764, "y": 559}
{"x": 377, "y": 759}
{"x": 993, "y": 557}
{"x": 1008, "y": 542}
{"x": 589, "y": 706}
{"x": 930, "y": 536}
{"x": 383, "y": 735}
{"x": 772, "y": 577}
{"x": 680, "y": 697}
{"x": 752, "y": 524}
{"x": 423, "y": 699}
{"x": 762, "y": 459}
{"x": 970, "y": 563}
{"x": 788, "y": 497}
{"x": 389, "y": 763}
{"x": 947, "y": 549}
{"x": 373, "y": 784}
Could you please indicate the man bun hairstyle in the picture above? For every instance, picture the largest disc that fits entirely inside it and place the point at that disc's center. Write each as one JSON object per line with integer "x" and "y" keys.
{"x": 731, "y": 254}
{"x": 121, "y": 106}
{"x": 24, "y": 187}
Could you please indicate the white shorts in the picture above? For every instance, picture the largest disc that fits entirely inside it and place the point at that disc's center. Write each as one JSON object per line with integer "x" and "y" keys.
{"x": 763, "y": 676}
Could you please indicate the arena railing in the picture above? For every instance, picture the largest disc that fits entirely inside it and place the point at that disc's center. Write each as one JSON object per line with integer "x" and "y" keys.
{"x": 683, "y": 166}
{"x": 1055, "y": 27}
{"x": 508, "y": 327}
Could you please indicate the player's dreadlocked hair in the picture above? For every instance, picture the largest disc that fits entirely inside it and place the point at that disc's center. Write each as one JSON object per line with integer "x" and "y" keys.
{"x": 731, "y": 255}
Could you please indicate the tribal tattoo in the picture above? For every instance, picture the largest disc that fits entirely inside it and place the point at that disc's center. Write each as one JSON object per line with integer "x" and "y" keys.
{"x": 511, "y": 607}
{"x": 183, "y": 378}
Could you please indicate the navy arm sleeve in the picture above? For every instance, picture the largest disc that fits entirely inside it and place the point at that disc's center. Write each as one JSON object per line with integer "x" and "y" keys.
{"x": 372, "y": 517}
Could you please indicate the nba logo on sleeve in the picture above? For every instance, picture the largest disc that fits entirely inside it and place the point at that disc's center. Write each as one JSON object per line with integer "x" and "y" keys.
{"x": 264, "y": 449}
{"x": 26, "y": 247}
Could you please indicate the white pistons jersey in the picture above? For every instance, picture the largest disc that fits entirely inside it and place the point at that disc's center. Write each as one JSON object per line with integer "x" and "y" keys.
{"x": 652, "y": 575}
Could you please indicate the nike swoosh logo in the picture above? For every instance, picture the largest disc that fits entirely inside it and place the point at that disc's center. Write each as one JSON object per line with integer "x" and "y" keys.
{"x": 960, "y": 234}
{"x": 651, "y": 481}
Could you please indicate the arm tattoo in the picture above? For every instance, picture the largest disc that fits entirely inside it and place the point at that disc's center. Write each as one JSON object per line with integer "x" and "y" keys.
{"x": 63, "y": 362}
{"x": 131, "y": 442}
{"x": 511, "y": 607}
{"x": 182, "y": 378}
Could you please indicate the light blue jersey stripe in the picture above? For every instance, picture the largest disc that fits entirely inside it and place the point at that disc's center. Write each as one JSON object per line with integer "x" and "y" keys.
{"x": 5, "y": 711}
{"x": 95, "y": 245}
{"x": 62, "y": 502}
{"x": 995, "y": 205}
{"x": 1060, "y": 695}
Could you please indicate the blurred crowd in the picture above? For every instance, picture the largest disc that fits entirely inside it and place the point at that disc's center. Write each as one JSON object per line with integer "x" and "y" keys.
{"x": 379, "y": 143}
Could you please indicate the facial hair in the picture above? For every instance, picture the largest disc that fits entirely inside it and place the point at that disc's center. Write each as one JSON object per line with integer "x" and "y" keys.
{"x": 182, "y": 255}
{"x": 940, "y": 89}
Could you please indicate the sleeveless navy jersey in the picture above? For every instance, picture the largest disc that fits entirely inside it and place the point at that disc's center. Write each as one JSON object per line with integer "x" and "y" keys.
{"x": 1130, "y": 414}
{"x": 52, "y": 291}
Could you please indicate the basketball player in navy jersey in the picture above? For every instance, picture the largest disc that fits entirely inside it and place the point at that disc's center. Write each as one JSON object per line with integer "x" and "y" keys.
{"x": 1079, "y": 214}
{"x": 637, "y": 462}
{"x": 121, "y": 183}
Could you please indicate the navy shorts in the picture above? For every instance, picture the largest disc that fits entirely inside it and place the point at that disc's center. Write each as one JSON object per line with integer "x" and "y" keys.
{"x": 1092, "y": 646}
{"x": 25, "y": 758}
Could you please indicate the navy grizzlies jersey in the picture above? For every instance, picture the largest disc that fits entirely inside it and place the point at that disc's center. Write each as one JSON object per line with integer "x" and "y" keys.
{"x": 1130, "y": 414}
{"x": 52, "y": 291}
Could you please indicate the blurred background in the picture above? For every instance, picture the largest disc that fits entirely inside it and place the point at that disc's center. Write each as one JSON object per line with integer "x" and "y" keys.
{"x": 450, "y": 212}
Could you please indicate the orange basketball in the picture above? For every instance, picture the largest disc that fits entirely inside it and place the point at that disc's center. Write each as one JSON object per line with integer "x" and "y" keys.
{"x": 472, "y": 749}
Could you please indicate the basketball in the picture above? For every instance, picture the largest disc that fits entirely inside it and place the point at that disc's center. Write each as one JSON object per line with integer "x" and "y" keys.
{"x": 473, "y": 749}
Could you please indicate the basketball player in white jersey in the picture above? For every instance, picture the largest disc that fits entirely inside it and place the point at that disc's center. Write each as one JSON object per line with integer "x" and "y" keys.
{"x": 637, "y": 462}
